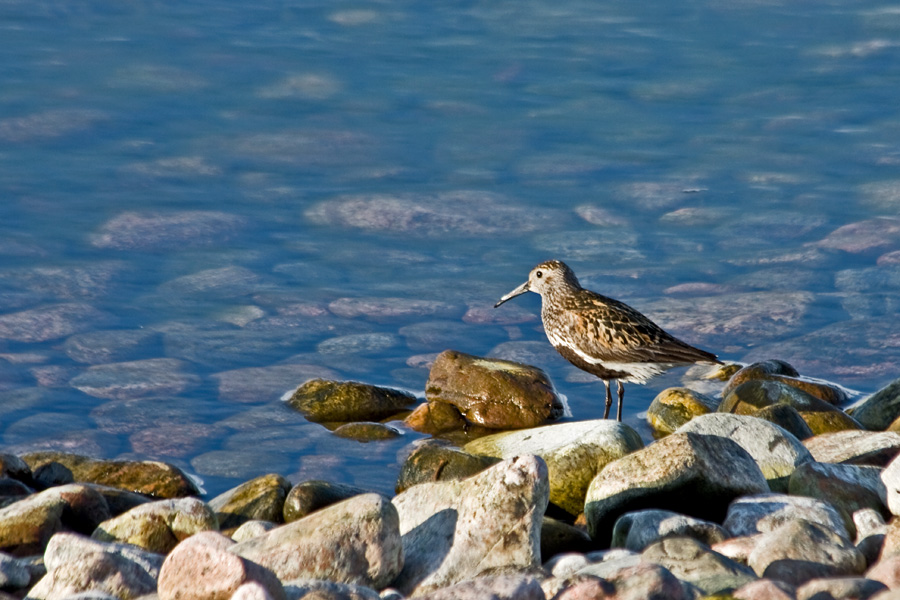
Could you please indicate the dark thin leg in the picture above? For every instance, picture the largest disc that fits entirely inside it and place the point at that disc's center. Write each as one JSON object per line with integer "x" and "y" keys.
{"x": 608, "y": 399}
{"x": 621, "y": 391}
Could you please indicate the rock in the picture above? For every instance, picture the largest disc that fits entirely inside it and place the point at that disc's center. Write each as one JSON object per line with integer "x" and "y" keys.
{"x": 12, "y": 490}
{"x": 886, "y": 571}
{"x": 435, "y": 418}
{"x": 158, "y": 526}
{"x": 323, "y": 401}
{"x": 637, "y": 530}
{"x": 776, "y": 452}
{"x": 674, "y": 407}
{"x": 855, "y": 447}
{"x": 14, "y": 574}
{"x": 387, "y": 309}
{"x": 309, "y": 496}
{"x": 367, "y": 432}
{"x": 322, "y": 589}
{"x": 255, "y": 384}
{"x": 251, "y": 591}
{"x": 436, "y": 460}
{"x": 455, "y": 530}
{"x": 878, "y": 411}
{"x": 692, "y": 561}
{"x": 358, "y": 344}
{"x": 822, "y": 417}
{"x": 846, "y": 487}
{"x": 763, "y": 513}
{"x": 223, "y": 282}
{"x": 558, "y": 538}
{"x": 863, "y": 236}
{"x": 494, "y": 393}
{"x": 354, "y": 541}
{"x": 14, "y": 467}
{"x": 27, "y": 525}
{"x": 871, "y": 532}
{"x": 152, "y": 478}
{"x": 647, "y": 581}
{"x": 858, "y": 588}
{"x": 765, "y": 589}
{"x": 51, "y": 322}
{"x": 786, "y": 417}
{"x": 118, "y": 500}
{"x": 137, "y": 379}
{"x": 261, "y": 498}
{"x": 698, "y": 475}
{"x": 252, "y": 529}
{"x": 495, "y": 587}
{"x": 574, "y": 453}
{"x": 164, "y": 231}
{"x": 800, "y": 550}
{"x": 780, "y": 371}
{"x": 581, "y": 587}
{"x": 78, "y": 564}
{"x": 202, "y": 568}
{"x": 110, "y": 346}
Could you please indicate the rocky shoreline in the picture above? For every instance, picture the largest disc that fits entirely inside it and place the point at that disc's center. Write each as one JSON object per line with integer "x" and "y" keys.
{"x": 770, "y": 492}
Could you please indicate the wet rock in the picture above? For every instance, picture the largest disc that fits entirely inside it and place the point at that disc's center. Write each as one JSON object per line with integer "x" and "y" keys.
{"x": 697, "y": 475}
{"x": 166, "y": 231}
{"x": 776, "y": 452}
{"x": 12, "y": 489}
{"x": 763, "y": 513}
{"x": 51, "y": 322}
{"x": 799, "y": 551}
{"x": 434, "y": 460}
{"x": 495, "y": 587}
{"x": 362, "y": 532}
{"x": 309, "y": 496}
{"x": 692, "y": 561}
{"x": 252, "y": 529}
{"x": 261, "y": 384}
{"x": 118, "y": 345}
{"x": 846, "y": 487}
{"x": 49, "y": 124}
{"x": 574, "y": 453}
{"x": 222, "y": 282}
{"x": 434, "y": 418}
{"x": 358, "y": 343}
{"x": 152, "y": 478}
{"x": 367, "y": 432}
{"x": 855, "y": 447}
{"x": 14, "y": 467}
{"x": 494, "y": 393}
{"x": 863, "y": 236}
{"x": 202, "y": 567}
{"x": 822, "y": 417}
{"x": 137, "y": 379}
{"x": 460, "y": 213}
{"x": 484, "y": 314}
{"x": 175, "y": 440}
{"x": 878, "y": 411}
{"x": 786, "y": 417}
{"x": 239, "y": 464}
{"x": 158, "y": 526}
{"x": 261, "y": 498}
{"x": 832, "y": 588}
{"x": 27, "y": 525}
{"x": 117, "y": 500}
{"x": 78, "y": 564}
{"x": 429, "y": 336}
{"x": 674, "y": 407}
{"x": 322, "y": 589}
{"x": 777, "y": 370}
{"x": 455, "y": 530}
{"x": 637, "y": 530}
{"x": 323, "y": 401}
{"x": 558, "y": 537}
{"x": 137, "y": 414}
{"x": 386, "y": 309}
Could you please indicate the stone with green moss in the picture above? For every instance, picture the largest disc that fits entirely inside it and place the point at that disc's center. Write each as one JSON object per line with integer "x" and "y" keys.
{"x": 158, "y": 526}
{"x": 309, "y": 496}
{"x": 435, "y": 460}
{"x": 673, "y": 407}
{"x": 261, "y": 498}
{"x": 326, "y": 401}
{"x": 367, "y": 432}
{"x": 776, "y": 370}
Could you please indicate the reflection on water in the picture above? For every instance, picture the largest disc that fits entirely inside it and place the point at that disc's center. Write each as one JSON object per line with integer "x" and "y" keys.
{"x": 203, "y": 206}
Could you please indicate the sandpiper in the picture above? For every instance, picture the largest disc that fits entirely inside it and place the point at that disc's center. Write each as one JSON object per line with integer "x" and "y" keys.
{"x": 602, "y": 336}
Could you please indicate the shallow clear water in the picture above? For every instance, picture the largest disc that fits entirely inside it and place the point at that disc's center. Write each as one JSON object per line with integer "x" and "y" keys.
{"x": 692, "y": 160}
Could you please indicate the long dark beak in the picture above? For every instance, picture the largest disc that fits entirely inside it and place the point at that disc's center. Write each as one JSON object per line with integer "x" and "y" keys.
{"x": 516, "y": 292}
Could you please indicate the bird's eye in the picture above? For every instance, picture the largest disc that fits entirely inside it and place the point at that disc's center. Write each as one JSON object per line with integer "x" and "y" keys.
{"x": 539, "y": 274}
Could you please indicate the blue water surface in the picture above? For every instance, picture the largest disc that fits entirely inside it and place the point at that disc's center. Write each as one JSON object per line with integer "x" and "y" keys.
{"x": 214, "y": 183}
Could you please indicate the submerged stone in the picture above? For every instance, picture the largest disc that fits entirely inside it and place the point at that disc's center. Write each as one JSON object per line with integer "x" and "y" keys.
{"x": 435, "y": 460}
{"x": 323, "y": 401}
{"x": 674, "y": 407}
{"x": 310, "y": 496}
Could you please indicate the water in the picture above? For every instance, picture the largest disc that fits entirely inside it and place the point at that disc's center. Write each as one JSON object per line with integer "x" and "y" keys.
{"x": 202, "y": 183}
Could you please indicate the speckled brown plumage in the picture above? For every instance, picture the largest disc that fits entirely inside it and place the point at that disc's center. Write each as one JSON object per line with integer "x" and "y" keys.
{"x": 603, "y": 336}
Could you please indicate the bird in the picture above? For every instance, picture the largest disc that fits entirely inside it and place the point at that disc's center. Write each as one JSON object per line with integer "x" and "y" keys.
{"x": 603, "y": 336}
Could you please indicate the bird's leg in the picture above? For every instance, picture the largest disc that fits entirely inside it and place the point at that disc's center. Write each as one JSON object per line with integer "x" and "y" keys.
{"x": 621, "y": 391}
{"x": 608, "y": 399}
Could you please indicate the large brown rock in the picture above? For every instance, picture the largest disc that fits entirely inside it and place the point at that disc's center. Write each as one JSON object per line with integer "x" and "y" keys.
{"x": 495, "y": 393}
{"x": 776, "y": 370}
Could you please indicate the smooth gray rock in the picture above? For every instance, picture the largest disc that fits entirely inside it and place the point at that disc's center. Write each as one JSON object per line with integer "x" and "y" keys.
{"x": 158, "y": 526}
{"x": 875, "y": 448}
{"x": 879, "y": 410}
{"x": 858, "y": 588}
{"x": 495, "y": 587}
{"x": 322, "y": 588}
{"x": 696, "y": 563}
{"x": 763, "y": 513}
{"x": 456, "y": 530}
{"x": 846, "y": 487}
{"x": 14, "y": 574}
{"x": 637, "y": 530}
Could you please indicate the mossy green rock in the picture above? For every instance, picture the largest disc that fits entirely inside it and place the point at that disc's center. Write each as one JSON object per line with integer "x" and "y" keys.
{"x": 367, "y": 432}
{"x": 750, "y": 397}
{"x": 434, "y": 460}
{"x": 260, "y": 499}
{"x": 574, "y": 453}
{"x": 776, "y": 370}
{"x": 325, "y": 401}
{"x": 148, "y": 477}
{"x": 158, "y": 526}
{"x": 309, "y": 496}
{"x": 881, "y": 409}
{"x": 498, "y": 394}
{"x": 673, "y": 407}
